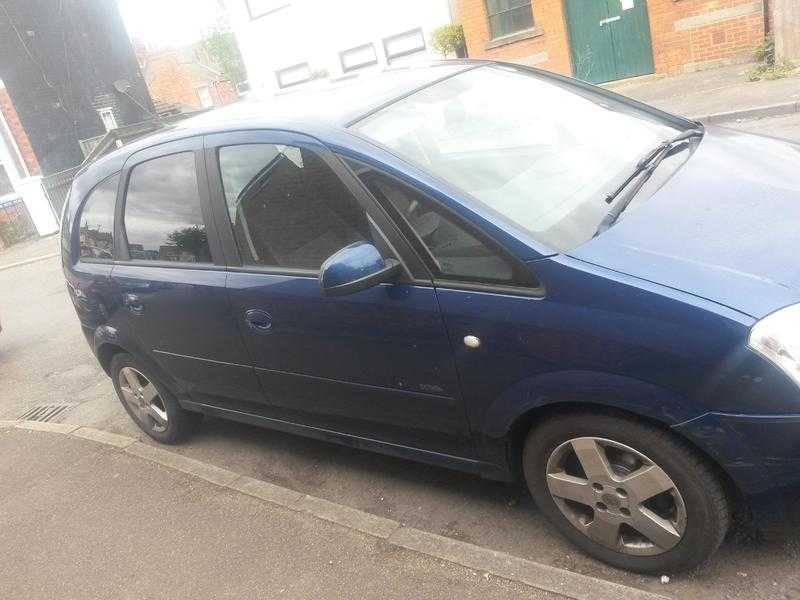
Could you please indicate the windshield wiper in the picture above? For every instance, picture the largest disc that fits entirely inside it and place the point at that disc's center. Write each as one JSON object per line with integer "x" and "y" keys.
{"x": 644, "y": 169}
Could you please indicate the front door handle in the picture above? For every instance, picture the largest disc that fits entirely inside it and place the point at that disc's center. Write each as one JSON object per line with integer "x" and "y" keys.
{"x": 258, "y": 320}
{"x": 133, "y": 303}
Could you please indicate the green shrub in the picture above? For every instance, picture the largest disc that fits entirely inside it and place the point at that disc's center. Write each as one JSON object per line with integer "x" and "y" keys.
{"x": 448, "y": 39}
{"x": 771, "y": 66}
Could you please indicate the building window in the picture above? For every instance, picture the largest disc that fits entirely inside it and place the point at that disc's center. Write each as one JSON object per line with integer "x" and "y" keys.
{"x": 508, "y": 16}
{"x": 293, "y": 75}
{"x": 262, "y": 8}
{"x": 107, "y": 116}
{"x": 205, "y": 96}
{"x": 358, "y": 57}
{"x": 5, "y": 183}
{"x": 403, "y": 44}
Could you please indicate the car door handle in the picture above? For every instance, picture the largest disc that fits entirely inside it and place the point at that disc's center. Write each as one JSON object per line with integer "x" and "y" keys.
{"x": 133, "y": 303}
{"x": 258, "y": 320}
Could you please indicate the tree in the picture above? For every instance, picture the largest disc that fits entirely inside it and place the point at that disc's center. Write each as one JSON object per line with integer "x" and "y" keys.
{"x": 449, "y": 39}
{"x": 192, "y": 240}
{"x": 223, "y": 50}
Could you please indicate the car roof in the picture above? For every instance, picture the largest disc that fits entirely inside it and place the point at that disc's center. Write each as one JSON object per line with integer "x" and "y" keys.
{"x": 335, "y": 104}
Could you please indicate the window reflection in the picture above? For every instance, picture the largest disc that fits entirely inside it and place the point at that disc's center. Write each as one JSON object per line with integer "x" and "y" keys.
{"x": 163, "y": 219}
{"x": 97, "y": 221}
{"x": 287, "y": 207}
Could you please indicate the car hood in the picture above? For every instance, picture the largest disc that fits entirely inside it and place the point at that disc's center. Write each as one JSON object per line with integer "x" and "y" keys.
{"x": 724, "y": 227}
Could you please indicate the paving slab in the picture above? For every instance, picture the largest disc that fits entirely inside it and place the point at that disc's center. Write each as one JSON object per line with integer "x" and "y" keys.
{"x": 107, "y": 524}
{"x": 708, "y": 94}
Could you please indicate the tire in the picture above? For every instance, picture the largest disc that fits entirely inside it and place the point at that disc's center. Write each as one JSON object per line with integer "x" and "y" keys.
{"x": 688, "y": 520}
{"x": 148, "y": 402}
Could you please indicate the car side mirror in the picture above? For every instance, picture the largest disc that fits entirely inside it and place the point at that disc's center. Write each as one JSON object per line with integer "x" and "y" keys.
{"x": 354, "y": 268}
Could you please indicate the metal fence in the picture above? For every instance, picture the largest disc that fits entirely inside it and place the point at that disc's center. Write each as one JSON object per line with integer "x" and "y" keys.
{"x": 56, "y": 186}
{"x": 15, "y": 222}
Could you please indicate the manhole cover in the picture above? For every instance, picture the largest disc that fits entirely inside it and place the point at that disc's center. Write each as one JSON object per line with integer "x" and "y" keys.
{"x": 49, "y": 413}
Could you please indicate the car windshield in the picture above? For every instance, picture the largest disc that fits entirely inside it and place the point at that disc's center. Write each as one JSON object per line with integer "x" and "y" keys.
{"x": 540, "y": 153}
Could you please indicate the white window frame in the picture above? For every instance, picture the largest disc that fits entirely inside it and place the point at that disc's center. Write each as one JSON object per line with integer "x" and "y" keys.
{"x": 264, "y": 7}
{"x": 108, "y": 118}
{"x": 365, "y": 56}
{"x": 210, "y": 98}
{"x": 413, "y": 49}
{"x": 281, "y": 75}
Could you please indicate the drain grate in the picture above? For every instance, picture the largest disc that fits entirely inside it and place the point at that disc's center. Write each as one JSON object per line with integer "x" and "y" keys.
{"x": 46, "y": 413}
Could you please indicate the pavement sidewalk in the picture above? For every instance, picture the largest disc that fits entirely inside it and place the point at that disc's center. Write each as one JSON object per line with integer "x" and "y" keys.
{"x": 30, "y": 251}
{"x": 83, "y": 520}
{"x": 719, "y": 95}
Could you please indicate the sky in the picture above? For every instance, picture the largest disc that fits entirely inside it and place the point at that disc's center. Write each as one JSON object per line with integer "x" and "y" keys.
{"x": 161, "y": 23}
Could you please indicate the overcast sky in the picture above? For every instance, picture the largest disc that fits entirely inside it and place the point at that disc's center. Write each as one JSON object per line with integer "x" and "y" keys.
{"x": 168, "y": 22}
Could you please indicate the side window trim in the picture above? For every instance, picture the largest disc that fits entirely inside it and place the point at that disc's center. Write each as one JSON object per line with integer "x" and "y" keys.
{"x": 75, "y": 250}
{"x": 526, "y": 285}
{"x": 195, "y": 146}
{"x": 387, "y": 229}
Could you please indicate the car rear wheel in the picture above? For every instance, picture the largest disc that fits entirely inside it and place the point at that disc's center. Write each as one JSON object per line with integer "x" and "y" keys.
{"x": 148, "y": 403}
{"x": 625, "y": 492}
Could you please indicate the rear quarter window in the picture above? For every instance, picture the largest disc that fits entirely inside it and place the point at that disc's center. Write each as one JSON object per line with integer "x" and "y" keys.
{"x": 96, "y": 221}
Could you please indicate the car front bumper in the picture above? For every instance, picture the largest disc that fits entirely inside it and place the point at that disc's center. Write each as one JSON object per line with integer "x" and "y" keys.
{"x": 761, "y": 454}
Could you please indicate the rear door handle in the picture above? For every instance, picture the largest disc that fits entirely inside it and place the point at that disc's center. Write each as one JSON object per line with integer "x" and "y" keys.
{"x": 133, "y": 303}
{"x": 258, "y": 320}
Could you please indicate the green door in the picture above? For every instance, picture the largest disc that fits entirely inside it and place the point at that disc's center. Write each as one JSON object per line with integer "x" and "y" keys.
{"x": 609, "y": 39}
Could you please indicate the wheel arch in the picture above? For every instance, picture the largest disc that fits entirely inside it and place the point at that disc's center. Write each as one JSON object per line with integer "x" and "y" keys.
{"x": 517, "y": 433}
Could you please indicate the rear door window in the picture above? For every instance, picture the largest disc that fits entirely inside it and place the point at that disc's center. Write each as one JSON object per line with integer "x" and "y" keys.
{"x": 163, "y": 216}
{"x": 97, "y": 221}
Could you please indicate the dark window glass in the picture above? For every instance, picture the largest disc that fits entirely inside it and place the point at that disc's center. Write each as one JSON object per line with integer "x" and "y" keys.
{"x": 163, "y": 220}
{"x": 97, "y": 221}
{"x": 457, "y": 253}
{"x": 509, "y": 16}
{"x": 287, "y": 207}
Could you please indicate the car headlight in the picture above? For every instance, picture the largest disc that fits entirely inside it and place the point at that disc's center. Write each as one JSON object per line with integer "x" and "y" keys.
{"x": 777, "y": 338}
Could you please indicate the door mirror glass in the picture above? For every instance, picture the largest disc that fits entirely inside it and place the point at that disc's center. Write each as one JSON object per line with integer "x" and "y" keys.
{"x": 354, "y": 268}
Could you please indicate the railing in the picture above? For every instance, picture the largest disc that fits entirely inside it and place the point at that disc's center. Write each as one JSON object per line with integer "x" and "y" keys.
{"x": 56, "y": 186}
{"x": 16, "y": 224}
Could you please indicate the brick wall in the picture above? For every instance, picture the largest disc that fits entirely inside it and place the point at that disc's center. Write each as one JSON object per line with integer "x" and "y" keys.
{"x": 172, "y": 80}
{"x": 547, "y": 49}
{"x": 687, "y": 35}
{"x": 18, "y": 132}
{"x": 690, "y": 35}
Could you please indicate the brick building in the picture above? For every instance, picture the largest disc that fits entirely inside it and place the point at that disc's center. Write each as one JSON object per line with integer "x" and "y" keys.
{"x": 15, "y": 135}
{"x": 184, "y": 77}
{"x": 604, "y": 40}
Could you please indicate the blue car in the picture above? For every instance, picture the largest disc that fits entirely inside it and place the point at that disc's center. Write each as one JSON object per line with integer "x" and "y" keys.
{"x": 475, "y": 265}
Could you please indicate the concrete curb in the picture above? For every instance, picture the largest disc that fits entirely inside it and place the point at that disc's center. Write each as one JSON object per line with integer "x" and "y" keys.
{"x": 771, "y": 110}
{"x": 505, "y": 566}
{"x": 29, "y": 261}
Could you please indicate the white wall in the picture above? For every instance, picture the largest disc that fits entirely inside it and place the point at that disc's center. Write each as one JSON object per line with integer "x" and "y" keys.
{"x": 316, "y": 31}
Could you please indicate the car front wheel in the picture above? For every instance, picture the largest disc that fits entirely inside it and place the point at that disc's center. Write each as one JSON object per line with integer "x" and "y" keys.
{"x": 625, "y": 492}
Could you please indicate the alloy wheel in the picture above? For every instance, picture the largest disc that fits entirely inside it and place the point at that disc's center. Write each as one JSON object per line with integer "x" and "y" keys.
{"x": 616, "y": 496}
{"x": 143, "y": 398}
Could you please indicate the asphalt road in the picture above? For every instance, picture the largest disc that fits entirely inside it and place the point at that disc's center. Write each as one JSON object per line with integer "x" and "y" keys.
{"x": 44, "y": 359}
